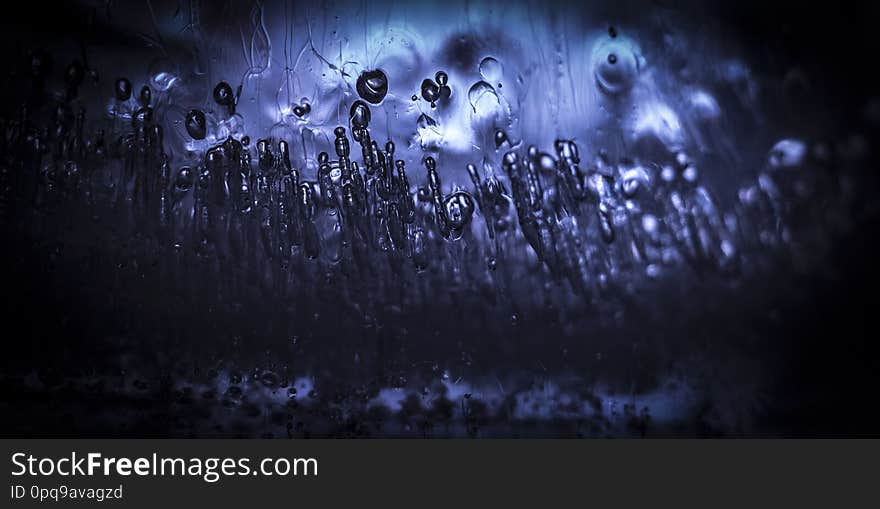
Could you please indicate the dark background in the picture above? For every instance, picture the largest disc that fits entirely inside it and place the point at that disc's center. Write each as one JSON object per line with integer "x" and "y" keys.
{"x": 819, "y": 364}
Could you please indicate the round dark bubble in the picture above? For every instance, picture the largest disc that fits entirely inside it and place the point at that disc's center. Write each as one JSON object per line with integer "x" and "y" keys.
{"x": 223, "y": 94}
{"x": 441, "y": 78}
{"x": 196, "y": 124}
{"x": 430, "y": 91}
{"x": 372, "y": 86}
{"x": 359, "y": 115}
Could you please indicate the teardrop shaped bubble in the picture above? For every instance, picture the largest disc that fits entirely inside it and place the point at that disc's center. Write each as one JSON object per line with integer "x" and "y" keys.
{"x": 442, "y": 78}
{"x": 491, "y": 70}
{"x": 122, "y": 89}
{"x": 483, "y": 98}
{"x": 372, "y": 86}
{"x": 359, "y": 115}
{"x": 196, "y": 125}
{"x": 223, "y": 94}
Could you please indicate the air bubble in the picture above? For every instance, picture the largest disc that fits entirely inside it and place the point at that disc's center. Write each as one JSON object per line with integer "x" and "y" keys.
{"x": 196, "y": 124}
{"x": 372, "y": 86}
{"x": 491, "y": 70}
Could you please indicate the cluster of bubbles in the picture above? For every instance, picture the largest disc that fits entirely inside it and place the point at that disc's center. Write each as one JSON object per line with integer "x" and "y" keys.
{"x": 371, "y": 234}
{"x": 436, "y": 89}
{"x": 592, "y": 226}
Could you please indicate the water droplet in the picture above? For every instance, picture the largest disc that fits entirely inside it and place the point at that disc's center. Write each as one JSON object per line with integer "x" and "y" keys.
{"x": 615, "y": 66}
{"x": 223, "y": 94}
{"x": 483, "y": 98}
{"x": 372, "y": 86}
{"x": 359, "y": 115}
{"x": 430, "y": 91}
{"x": 459, "y": 209}
{"x": 491, "y": 70}
{"x": 196, "y": 124}
{"x": 302, "y": 109}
